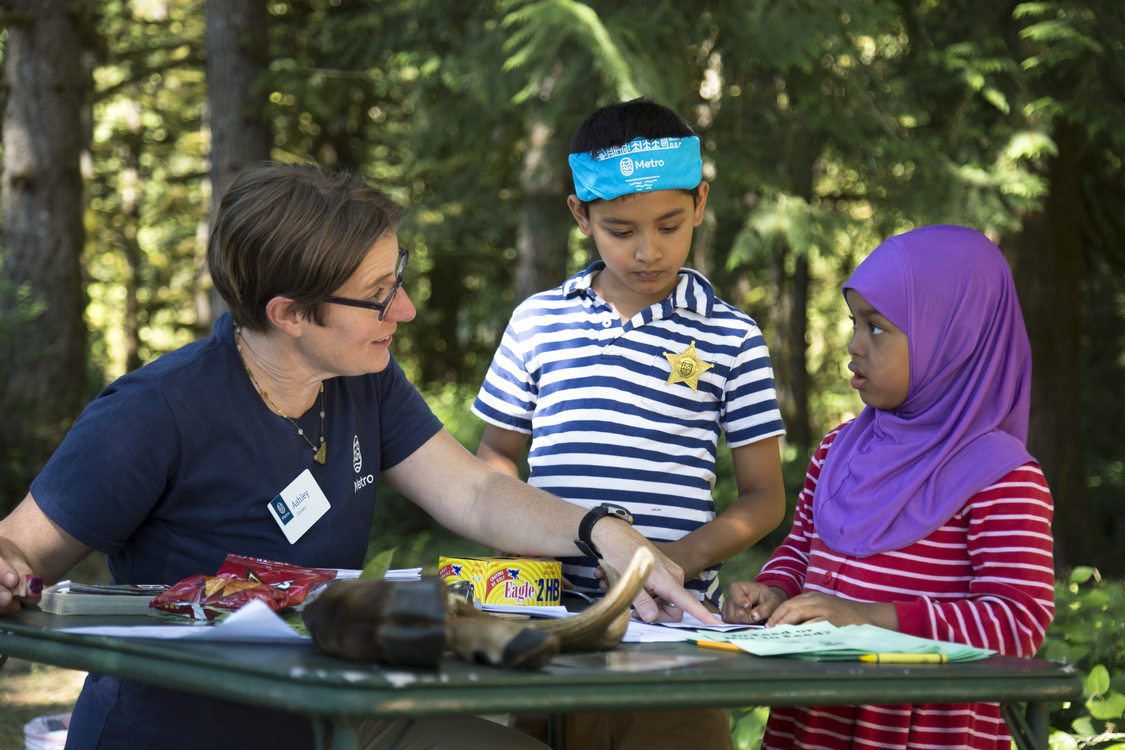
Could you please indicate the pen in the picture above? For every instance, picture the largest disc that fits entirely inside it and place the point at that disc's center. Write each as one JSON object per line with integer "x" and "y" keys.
{"x": 897, "y": 658}
{"x": 721, "y": 645}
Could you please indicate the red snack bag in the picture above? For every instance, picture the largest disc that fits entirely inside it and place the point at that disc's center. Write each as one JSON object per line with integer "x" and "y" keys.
{"x": 295, "y": 581}
{"x": 206, "y": 597}
{"x": 239, "y": 581}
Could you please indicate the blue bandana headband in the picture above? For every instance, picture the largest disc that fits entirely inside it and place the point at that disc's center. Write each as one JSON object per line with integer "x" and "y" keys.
{"x": 639, "y": 166}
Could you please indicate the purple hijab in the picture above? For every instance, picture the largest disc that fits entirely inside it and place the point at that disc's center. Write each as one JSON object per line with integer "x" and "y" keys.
{"x": 893, "y": 477}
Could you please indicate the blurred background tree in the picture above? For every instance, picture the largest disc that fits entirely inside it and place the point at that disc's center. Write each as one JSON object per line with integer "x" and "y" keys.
{"x": 826, "y": 127}
{"x": 48, "y": 64}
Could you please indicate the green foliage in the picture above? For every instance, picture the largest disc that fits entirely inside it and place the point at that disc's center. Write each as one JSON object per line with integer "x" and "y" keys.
{"x": 541, "y": 32}
{"x": 377, "y": 567}
{"x": 402, "y": 526}
{"x": 747, "y": 726}
{"x": 146, "y": 202}
{"x": 1088, "y": 632}
{"x": 1103, "y": 352}
{"x": 824, "y": 131}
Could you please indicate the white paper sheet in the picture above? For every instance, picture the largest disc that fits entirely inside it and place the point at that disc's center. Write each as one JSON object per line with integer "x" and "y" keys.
{"x": 640, "y": 631}
{"x": 254, "y": 623}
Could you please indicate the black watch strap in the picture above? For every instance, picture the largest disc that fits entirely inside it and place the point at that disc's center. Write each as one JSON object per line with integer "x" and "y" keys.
{"x": 585, "y": 542}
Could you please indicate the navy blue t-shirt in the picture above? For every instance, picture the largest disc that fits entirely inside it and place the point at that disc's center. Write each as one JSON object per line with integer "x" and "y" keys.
{"x": 171, "y": 468}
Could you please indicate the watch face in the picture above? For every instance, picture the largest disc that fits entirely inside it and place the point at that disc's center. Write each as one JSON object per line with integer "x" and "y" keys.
{"x": 618, "y": 512}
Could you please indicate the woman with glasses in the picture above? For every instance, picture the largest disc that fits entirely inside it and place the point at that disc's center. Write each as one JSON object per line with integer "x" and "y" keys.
{"x": 268, "y": 439}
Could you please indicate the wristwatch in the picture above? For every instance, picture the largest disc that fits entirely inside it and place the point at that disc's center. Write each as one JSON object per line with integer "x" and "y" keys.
{"x": 584, "y": 542}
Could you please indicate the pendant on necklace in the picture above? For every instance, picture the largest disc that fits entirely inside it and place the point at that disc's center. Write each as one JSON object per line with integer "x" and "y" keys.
{"x": 320, "y": 453}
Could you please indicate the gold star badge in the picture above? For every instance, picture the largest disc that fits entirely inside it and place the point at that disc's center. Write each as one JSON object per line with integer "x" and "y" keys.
{"x": 686, "y": 367}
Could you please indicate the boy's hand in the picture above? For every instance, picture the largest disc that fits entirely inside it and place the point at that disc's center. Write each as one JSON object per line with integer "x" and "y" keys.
{"x": 750, "y": 603}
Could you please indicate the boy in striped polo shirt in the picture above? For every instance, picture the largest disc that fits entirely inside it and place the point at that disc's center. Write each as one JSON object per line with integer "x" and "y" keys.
{"x": 626, "y": 374}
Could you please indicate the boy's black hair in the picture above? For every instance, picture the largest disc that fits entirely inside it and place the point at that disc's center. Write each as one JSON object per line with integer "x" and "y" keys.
{"x": 617, "y": 124}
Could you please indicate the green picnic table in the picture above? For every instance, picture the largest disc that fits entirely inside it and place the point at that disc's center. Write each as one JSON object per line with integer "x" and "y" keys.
{"x": 634, "y": 676}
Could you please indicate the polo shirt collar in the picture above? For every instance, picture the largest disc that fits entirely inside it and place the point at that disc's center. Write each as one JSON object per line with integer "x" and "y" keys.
{"x": 581, "y": 283}
{"x": 694, "y": 292}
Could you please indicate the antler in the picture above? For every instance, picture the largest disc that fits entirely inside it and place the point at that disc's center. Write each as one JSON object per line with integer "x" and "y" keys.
{"x": 597, "y": 628}
{"x": 412, "y": 623}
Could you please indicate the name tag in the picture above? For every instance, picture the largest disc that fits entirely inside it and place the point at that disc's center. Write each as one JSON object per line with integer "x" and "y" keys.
{"x": 299, "y": 506}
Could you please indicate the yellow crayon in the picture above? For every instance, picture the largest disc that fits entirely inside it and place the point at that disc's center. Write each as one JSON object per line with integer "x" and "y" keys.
{"x": 722, "y": 645}
{"x": 907, "y": 658}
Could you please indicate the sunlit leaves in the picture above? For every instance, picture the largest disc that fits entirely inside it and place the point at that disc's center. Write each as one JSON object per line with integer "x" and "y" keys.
{"x": 540, "y": 29}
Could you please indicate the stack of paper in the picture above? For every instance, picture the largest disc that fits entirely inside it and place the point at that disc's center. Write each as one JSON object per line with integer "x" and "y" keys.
{"x": 394, "y": 574}
{"x": 823, "y": 641}
{"x": 68, "y": 598}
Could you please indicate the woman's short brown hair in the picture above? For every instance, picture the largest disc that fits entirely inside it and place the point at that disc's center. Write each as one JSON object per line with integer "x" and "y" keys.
{"x": 293, "y": 230}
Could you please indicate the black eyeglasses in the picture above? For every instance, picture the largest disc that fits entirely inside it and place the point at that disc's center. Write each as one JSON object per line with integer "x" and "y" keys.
{"x": 382, "y": 305}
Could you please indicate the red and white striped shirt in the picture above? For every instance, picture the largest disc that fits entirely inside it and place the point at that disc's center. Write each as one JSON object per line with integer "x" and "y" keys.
{"x": 985, "y": 578}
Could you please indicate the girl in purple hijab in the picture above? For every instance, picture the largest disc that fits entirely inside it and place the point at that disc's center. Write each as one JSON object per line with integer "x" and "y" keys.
{"x": 925, "y": 514}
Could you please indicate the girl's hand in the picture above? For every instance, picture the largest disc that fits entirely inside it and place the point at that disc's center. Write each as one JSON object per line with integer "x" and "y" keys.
{"x": 813, "y": 606}
{"x": 750, "y": 603}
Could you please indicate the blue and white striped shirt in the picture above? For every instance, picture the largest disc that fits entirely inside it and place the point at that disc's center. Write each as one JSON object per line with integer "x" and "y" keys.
{"x": 609, "y": 424}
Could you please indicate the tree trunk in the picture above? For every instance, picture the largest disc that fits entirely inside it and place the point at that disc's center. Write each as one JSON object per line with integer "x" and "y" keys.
{"x": 42, "y": 299}
{"x": 237, "y": 44}
{"x": 789, "y": 352}
{"x": 798, "y": 423}
{"x": 1047, "y": 273}
{"x": 541, "y": 237}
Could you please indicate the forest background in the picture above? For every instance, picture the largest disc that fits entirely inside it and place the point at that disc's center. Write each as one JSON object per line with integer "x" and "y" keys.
{"x": 826, "y": 127}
